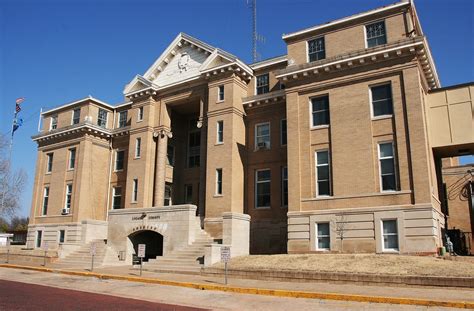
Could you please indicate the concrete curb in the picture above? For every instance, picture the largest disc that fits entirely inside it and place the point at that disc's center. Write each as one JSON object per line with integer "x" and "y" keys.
{"x": 260, "y": 291}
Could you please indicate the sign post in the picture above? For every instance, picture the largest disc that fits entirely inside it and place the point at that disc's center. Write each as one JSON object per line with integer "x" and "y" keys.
{"x": 225, "y": 257}
{"x": 141, "y": 254}
{"x": 45, "y": 247}
{"x": 92, "y": 250}
{"x": 8, "y": 250}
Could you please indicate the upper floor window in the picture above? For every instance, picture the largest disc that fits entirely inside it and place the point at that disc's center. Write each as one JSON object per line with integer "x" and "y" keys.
{"x": 220, "y": 95}
{"x": 44, "y": 210}
{"x": 168, "y": 195}
{"x": 262, "y": 188}
{"x": 323, "y": 173}
{"x": 263, "y": 85}
{"x": 54, "y": 122}
{"x": 135, "y": 191}
{"x": 49, "y": 164}
{"x": 170, "y": 154}
{"x": 320, "y": 111}
{"x": 122, "y": 118}
{"x": 219, "y": 181}
{"x": 388, "y": 178}
{"x": 262, "y": 136}
{"x": 316, "y": 50}
{"x": 188, "y": 194}
{"x": 140, "y": 114}
{"x": 284, "y": 186}
{"x": 68, "y": 201}
{"x": 220, "y": 132}
{"x": 375, "y": 34}
{"x": 194, "y": 148}
{"x": 117, "y": 198}
{"x": 72, "y": 158}
{"x": 283, "y": 134}
{"x": 76, "y": 116}
{"x": 119, "y": 157}
{"x": 102, "y": 118}
{"x": 381, "y": 100}
{"x": 138, "y": 147}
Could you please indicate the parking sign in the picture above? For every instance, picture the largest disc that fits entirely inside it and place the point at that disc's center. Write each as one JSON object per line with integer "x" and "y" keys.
{"x": 225, "y": 253}
{"x": 141, "y": 250}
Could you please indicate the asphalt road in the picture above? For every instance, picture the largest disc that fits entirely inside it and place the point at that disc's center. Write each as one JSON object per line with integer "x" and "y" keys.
{"x": 22, "y": 296}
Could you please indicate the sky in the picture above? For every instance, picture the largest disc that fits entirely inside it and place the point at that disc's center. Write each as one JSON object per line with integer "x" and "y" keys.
{"x": 55, "y": 52}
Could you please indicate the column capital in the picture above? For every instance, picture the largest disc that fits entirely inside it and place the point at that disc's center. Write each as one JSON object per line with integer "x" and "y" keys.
{"x": 162, "y": 132}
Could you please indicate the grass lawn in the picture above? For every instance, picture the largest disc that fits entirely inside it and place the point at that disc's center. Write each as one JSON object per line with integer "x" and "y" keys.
{"x": 357, "y": 263}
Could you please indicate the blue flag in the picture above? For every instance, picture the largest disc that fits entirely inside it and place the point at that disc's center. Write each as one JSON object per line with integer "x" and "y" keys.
{"x": 16, "y": 124}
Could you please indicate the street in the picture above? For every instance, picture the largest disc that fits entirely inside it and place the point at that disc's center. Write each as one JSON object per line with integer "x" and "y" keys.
{"x": 20, "y": 290}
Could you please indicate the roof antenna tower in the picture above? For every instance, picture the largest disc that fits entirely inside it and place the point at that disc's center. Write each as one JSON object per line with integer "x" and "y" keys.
{"x": 255, "y": 36}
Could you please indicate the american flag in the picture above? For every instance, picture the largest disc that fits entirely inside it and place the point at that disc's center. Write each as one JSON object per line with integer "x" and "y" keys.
{"x": 18, "y": 102}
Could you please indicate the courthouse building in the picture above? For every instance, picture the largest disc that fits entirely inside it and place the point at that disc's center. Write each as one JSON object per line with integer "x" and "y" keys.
{"x": 334, "y": 146}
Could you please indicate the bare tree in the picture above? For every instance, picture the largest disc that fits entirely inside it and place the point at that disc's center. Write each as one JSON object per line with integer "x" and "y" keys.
{"x": 341, "y": 227}
{"x": 19, "y": 223}
{"x": 11, "y": 183}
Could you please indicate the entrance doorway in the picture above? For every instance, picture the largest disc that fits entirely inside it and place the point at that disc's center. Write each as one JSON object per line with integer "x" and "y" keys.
{"x": 153, "y": 241}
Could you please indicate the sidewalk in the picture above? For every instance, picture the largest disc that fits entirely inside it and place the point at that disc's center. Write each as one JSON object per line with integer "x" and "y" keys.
{"x": 428, "y": 296}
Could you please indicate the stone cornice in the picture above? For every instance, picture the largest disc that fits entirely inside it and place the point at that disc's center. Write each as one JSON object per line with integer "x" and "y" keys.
{"x": 83, "y": 127}
{"x": 264, "y": 99}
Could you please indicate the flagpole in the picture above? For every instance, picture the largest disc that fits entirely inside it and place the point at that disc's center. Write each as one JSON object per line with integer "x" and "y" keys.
{"x": 9, "y": 162}
{"x": 39, "y": 119}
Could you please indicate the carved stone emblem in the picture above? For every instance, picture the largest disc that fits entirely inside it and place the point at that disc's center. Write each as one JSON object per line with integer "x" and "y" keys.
{"x": 183, "y": 63}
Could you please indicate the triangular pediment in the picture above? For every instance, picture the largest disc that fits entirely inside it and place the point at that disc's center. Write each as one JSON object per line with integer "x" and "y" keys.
{"x": 216, "y": 59}
{"x": 137, "y": 84}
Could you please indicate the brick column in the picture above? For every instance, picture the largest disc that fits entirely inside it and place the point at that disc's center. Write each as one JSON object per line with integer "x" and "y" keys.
{"x": 162, "y": 136}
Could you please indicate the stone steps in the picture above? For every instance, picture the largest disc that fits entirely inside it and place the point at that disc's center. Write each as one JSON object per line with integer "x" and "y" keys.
{"x": 82, "y": 257}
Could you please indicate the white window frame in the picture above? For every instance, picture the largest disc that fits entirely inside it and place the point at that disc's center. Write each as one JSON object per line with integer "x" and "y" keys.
{"x": 135, "y": 190}
{"x": 44, "y": 211}
{"x": 219, "y": 129}
{"x": 68, "y": 197}
{"x": 219, "y": 181}
{"x": 53, "y": 124}
{"x": 256, "y": 190}
{"x": 323, "y": 236}
{"x": 169, "y": 188}
{"x": 256, "y": 79}
{"x": 138, "y": 147}
{"x": 316, "y": 172}
{"x": 116, "y": 157}
{"x": 49, "y": 162}
{"x": 395, "y": 250}
{"x": 365, "y": 32}
{"x": 123, "y": 112}
{"x": 281, "y": 132}
{"x": 269, "y": 136}
{"x": 114, "y": 195}
{"x": 307, "y": 47}
{"x": 394, "y": 165}
{"x": 283, "y": 186}
{"x": 71, "y": 152}
{"x": 371, "y": 101}
{"x": 219, "y": 93}
{"x": 72, "y": 118}
{"x": 311, "y": 122}
{"x": 140, "y": 113}
{"x": 106, "y": 118}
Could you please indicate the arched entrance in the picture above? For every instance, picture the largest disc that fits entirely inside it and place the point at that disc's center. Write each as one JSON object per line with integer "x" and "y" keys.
{"x": 153, "y": 241}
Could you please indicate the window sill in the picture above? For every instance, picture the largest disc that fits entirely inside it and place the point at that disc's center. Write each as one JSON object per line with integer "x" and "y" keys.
{"x": 218, "y": 196}
{"x": 134, "y": 202}
{"x": 218, "y": 144}
{"x": 118, "y": 171}
{"x": 318, "y": 127}
{"x": 262, "y": 149}
{"x": 140, "y": 121}
{"x": 70, "y": 169}
{"x": 386, "y": 116}
{"x": 136, "y": 158}
{"x": 48, "y": 173}
{"x": 263, "y": 207}
{"x": 220, "y": 101}
{"x": 390, "y": 251}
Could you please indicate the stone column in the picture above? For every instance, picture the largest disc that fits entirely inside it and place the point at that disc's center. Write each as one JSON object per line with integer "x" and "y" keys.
{"x": 162, "y": 136}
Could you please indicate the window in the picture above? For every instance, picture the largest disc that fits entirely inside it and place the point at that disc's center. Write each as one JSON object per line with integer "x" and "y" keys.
{"x": 283, "y": 134}
{"x": 219, "y": 181}
{"x": 49, "y": 165}
{"x": 170, "y": 154}
{"x": 390, "y": 234}
{"x": 140, "y": 114}
{"x": 54, "y": 122}
{"x": 262, "y": 188}
{"x": 375, "y": 34}
{"x": 323, "y": 173}
{"x": 168, "y": 195}
{"x": 44, "y": 210}
{"x": 135, "y": 191}
{"x": 320, "y": 111}
{"x": 220, "y": 95}
{"x": 138, "y": 147}
{"x": 68, "y": 201}
{"x": 76, "y": 116}
{"x": 72, "y": 158}
{"x": 388, "y": 178}
{"x": 322, "y": 236}
{"x": 102, "y": 118}
{"x": 117, "y": 198}
{"x": 284, "y": 186}
{"x": 316, "y": 50}
{"x": 62, "y": 236}
{"x": 381, "y": 100}
{"x": 122, "y": 119}
{"x": 220, "y": 132}
{"x": 262, "y": 136}
{"x": 188, "y": 194}
{"x": 194, "y": 148}
{"x": 119, "y": 159}
{"x": 39, "y": 236}
{"x": 262, "y": 84}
